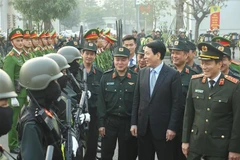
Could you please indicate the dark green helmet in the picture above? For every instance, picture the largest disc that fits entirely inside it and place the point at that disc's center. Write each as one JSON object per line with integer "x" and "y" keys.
{"x": 59, "y": 59}
{"x": 37, "y": 73}
{"x": 70, "y": 53}
{"x": 6, "y": 86}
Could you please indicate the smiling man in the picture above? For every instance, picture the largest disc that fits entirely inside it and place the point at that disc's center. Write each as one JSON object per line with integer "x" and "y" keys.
{"x": 130, "y": 43}
{"x": 93, "y": 81}
{"x": 179, "y": 56}
{"x": 157, "y": 105}
{"x": 211, "y": 121}
{"x": 115, "y": 107}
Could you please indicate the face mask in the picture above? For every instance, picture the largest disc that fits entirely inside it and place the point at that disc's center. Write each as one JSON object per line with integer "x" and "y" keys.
{"x": 74, "y": 66}
{"x": 6, "y": 119}
{"x": 52, "y": 92}
{"x": 62, "y": 81}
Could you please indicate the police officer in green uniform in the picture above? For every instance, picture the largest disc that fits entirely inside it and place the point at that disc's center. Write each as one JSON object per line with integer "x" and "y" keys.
{"x": 211, "y": 120}
{"x": 27, "y": 45}
{"x": 179, "y": 56}
{"x": 38, "y": 126}
{"x": 141, "y": 63}
{"x": 115, "y": 106}
{"x": 94, "y": 75}
{"x": 12, "y": 65}
{"x": 191, "y": 55}
{"x": 226, "y": 60}
{"x": 43, "y": 42}
{"x": 35, "y": 45}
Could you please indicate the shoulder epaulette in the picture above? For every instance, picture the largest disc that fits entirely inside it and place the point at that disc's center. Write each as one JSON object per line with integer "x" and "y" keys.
{"x": 108, "y": 71}
{"x": 235, "y": 62}
{"x": 11, "y": 53}
{"x": 197, "y": 76}
{"x": 230, "y": 78}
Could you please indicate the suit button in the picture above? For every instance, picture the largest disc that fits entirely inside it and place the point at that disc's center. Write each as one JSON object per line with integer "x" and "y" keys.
{"x": 208, "y": 109}
{"x": 209, "y": 97}
{"x": 206, "y": 120}
{"x": 205, "y": 132}
{"x": 222, "y": 136}
{"x": 192, "y": 130}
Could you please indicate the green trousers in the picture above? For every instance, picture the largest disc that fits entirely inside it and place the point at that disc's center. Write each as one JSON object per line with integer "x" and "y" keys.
{"x": 13, "y": 134}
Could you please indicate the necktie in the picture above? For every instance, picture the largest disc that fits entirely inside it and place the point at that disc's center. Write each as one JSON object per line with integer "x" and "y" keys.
{"x": 131, "y": 62}
{"x": 152, "y": 81}
{"x": 211, "y": 83}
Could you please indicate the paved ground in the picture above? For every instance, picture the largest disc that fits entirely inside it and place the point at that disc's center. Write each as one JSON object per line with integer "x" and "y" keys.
{"x": 3, "y": 140}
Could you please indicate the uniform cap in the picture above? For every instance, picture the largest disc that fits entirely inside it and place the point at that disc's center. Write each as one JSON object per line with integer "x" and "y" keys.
{"x": 89, "y": 46}
{"x": 209, "y": 52}
{"x": 121, "y": 52}
{"x": 91, "y": 34}
{"x": 16, "y": 33}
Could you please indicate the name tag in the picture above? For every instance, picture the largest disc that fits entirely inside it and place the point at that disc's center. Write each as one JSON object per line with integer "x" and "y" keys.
{"x": 199, "y": 91}
{"x": 110, "y": 83}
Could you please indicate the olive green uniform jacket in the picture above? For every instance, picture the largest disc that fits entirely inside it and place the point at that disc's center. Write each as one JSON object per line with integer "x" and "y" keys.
{"x": 212, "y": 116}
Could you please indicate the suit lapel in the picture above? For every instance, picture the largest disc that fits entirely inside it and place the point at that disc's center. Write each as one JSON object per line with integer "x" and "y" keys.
{"x": 216, "y": 88}
{"x": 160, "y": 79}
{"x": 146, "y": 79}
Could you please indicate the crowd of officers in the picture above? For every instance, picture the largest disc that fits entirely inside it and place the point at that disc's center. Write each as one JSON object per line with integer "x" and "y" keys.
{"x": 202, "y": 121}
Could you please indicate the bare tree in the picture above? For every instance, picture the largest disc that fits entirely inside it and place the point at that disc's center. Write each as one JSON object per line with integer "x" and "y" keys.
{"x": 200, "y": 9}
{"x": 179, "y": 15}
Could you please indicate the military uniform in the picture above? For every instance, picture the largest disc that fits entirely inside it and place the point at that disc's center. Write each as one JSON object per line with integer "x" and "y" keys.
{"x": 35, "y": 50}
{"x": 114, "y": 111}
{"x": 12, "y": 65}
{"x": 26, "y": 51}
{"x": 186, "y": 74}
{"x": 211, "y": 117}
{"x": 38, "y": 125}
{"x": 93, "y": 83}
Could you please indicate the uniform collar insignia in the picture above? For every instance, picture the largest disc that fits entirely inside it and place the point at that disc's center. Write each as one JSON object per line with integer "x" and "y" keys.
{"x": 114, "y": 75}
{"x": 204, "y": 79}
{"x": 187, "y": 70}
{"x": 128, "y": 75}
{"x": 221, "y": 82}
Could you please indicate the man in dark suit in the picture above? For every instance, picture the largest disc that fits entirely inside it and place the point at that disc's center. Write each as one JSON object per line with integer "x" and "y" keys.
{"x": 157, "y": 105}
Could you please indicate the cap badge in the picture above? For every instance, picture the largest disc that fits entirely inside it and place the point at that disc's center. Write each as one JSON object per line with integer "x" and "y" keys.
{"x": 221, "y": 48}
{"x": 27, "y": 32}
{"x": 120, "y": 49}
{"x": 18, "y": 32}
{"x": 176, "y": 43}
{"x": 90, "y": 44}
{"x": 204, "y": 48}
{"x": 75, "y": 43}
{"x": 93, "y": 32}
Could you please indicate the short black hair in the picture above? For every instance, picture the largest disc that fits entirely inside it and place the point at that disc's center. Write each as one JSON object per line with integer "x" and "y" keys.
{"x": 157, "y": 46}
{"x": 129, "y": 37}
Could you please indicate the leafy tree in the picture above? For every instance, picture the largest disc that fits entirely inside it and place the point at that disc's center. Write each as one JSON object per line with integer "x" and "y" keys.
{"x": 44, "y": 10}
{"x": 200, "y": 9}
{"x": 73, "y": 19}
